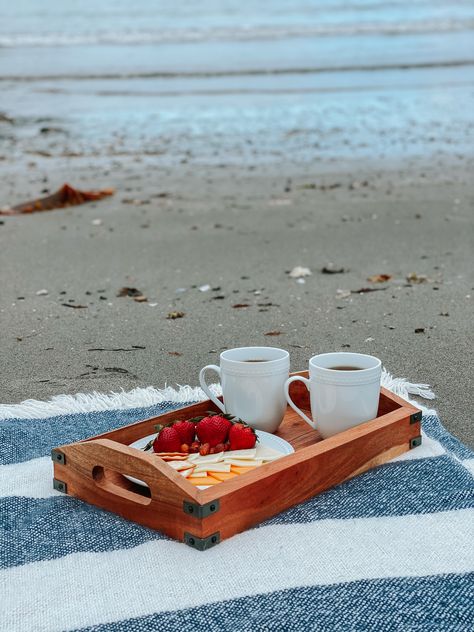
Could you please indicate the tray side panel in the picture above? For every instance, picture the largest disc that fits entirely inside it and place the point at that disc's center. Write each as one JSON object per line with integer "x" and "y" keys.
{"x": 258, "y": 498}
{"x": 92, "y": 472}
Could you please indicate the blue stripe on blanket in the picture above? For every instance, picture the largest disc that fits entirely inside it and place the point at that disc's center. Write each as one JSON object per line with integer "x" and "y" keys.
{"x": 62, "y": 525}
{"x": 433, "y": 427}
{"x": 382, "y": 605}
{"x": 25, "y": 439}
{"x": 43, "y": 529}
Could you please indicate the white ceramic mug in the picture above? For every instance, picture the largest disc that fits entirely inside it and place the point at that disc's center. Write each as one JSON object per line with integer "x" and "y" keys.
{"x": 340, "y": 399}
{"x": 253, "y": 391}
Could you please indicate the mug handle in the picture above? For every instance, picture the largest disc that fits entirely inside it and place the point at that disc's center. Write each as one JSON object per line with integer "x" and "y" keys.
{"x": 307, "y": 383}
{"x": 205, "y": 387}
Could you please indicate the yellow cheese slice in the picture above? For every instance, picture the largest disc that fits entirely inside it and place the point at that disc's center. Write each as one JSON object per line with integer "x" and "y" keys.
{"x": 224, "y": 476}
{"x": 242, "y": 470}
{"x": 204, "y": 480}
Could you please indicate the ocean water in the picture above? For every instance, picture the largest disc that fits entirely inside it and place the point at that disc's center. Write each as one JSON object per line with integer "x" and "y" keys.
{"x": 232, "y": 81}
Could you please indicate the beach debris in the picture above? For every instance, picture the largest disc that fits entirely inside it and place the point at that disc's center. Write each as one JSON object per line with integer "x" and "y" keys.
{"x": 220, "y": 297}
{"x": 321, "y": 187}
{"x": 42, "y": 292}
{"x": 340, "y": 293}
{"x": 299, "y": 271}
{"x": 97, "y": 222}
{"x": 420, "y": 330}
{"x": 134, "y": 293}
{"x": 358, "y": 185}
{"x": 413, "y": 277}
{"x": 180, "y": 290}
{"x": 444, "y": 313}
{"x": 204, "y": 288}
{"x": 174, "y": 315}
{"x": 64, "y": 197}
{"x": 6, "y": 119}
{"x": 301, "y": 281}
{"x": 365, "y": 290}
{"x": 274, "y": 333}
{"x": 240, "y": 305}
{"x": 74, "y": 306}
{"x": 379, "y": 278}
{"x": 133, "y": 348}
{"x": 369, "y": 339}
{"x": 330, "y": 268}
{"x": 152, "y": 304}
{"x": 174, "y": 353}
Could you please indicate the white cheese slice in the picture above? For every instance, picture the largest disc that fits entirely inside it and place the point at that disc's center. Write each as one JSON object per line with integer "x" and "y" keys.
{"x": 186, "y": 473}
{"x": 180, "y": 465}
{"x": 264, "y": 452}
{"x": 213, "y": 467}
{"x": 245, "y": 462}
{"x": 209, "y": 458}
{"x": 200, "y": 474}
{"x": 240, "y": 454}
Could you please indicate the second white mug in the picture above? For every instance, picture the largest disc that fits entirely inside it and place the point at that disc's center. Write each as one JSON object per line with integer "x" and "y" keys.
{"x": 344, "y": 390}
{"x": 253, "y": 380}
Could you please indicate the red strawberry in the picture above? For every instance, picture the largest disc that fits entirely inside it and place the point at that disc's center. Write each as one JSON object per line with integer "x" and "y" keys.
{"x": 213, "y": 430}
{"x": 186, "y": 431}
{"x": 167, "y": 440}
{"x": 242, "y": 437}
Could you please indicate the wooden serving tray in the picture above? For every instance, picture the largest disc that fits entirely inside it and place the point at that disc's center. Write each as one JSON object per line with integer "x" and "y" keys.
{"x": 93, "y": 469}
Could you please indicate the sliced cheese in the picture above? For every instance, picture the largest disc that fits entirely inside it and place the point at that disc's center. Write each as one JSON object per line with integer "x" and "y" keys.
{"x": 209, "y": 458}
{"x": 224, "y": 476}
{"x": 265, "y": 453}
{"x": 180, "y": 465}
{"x": 241, "y": 470}
{"x": 240, "y": 454}
{"x": 204, "y": 480}
{"x": 212, "y": 467}
{"x": 186, "y": 473}
{"x": 244, "y": 462}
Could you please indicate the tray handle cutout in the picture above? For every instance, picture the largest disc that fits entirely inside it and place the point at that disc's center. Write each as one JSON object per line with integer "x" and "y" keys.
{"x": 105, "y": 462}
{"x": 116, "y": 484}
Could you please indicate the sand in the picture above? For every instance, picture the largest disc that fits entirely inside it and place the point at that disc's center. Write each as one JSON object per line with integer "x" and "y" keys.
{"x": 169, "y": 230}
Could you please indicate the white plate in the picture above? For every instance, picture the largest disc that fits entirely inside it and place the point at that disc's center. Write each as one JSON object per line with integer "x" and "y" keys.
{"x": 265, "y": 439}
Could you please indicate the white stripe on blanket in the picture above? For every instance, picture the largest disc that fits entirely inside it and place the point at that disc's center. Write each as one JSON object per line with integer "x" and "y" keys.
{"x": 33, "y": 479}
{"x": 106, "y": 587}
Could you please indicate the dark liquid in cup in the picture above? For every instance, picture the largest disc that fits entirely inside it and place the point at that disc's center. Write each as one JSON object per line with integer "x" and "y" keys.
{"x": 344, "y": 367}
{"x": 255, "y": 360}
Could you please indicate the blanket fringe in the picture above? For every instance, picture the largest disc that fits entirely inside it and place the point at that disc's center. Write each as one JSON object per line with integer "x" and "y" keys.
{"x": 144, "y": 397}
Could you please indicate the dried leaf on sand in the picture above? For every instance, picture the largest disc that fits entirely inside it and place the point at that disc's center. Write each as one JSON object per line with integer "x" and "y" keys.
{"x": 240, "y": 305}
{"x": 64, "y": 197}
{"x": 274, "y": 333}
{"x": 413, "y": 277}
{"x": 134, "y": 293}
{"x": 379, "y": 278}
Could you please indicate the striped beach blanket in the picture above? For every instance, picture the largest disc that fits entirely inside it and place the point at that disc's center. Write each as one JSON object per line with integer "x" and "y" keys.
{"x": 392, "y": 549}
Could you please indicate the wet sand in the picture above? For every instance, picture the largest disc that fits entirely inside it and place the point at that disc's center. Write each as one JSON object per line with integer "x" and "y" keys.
{"x": 168, "y": 231}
